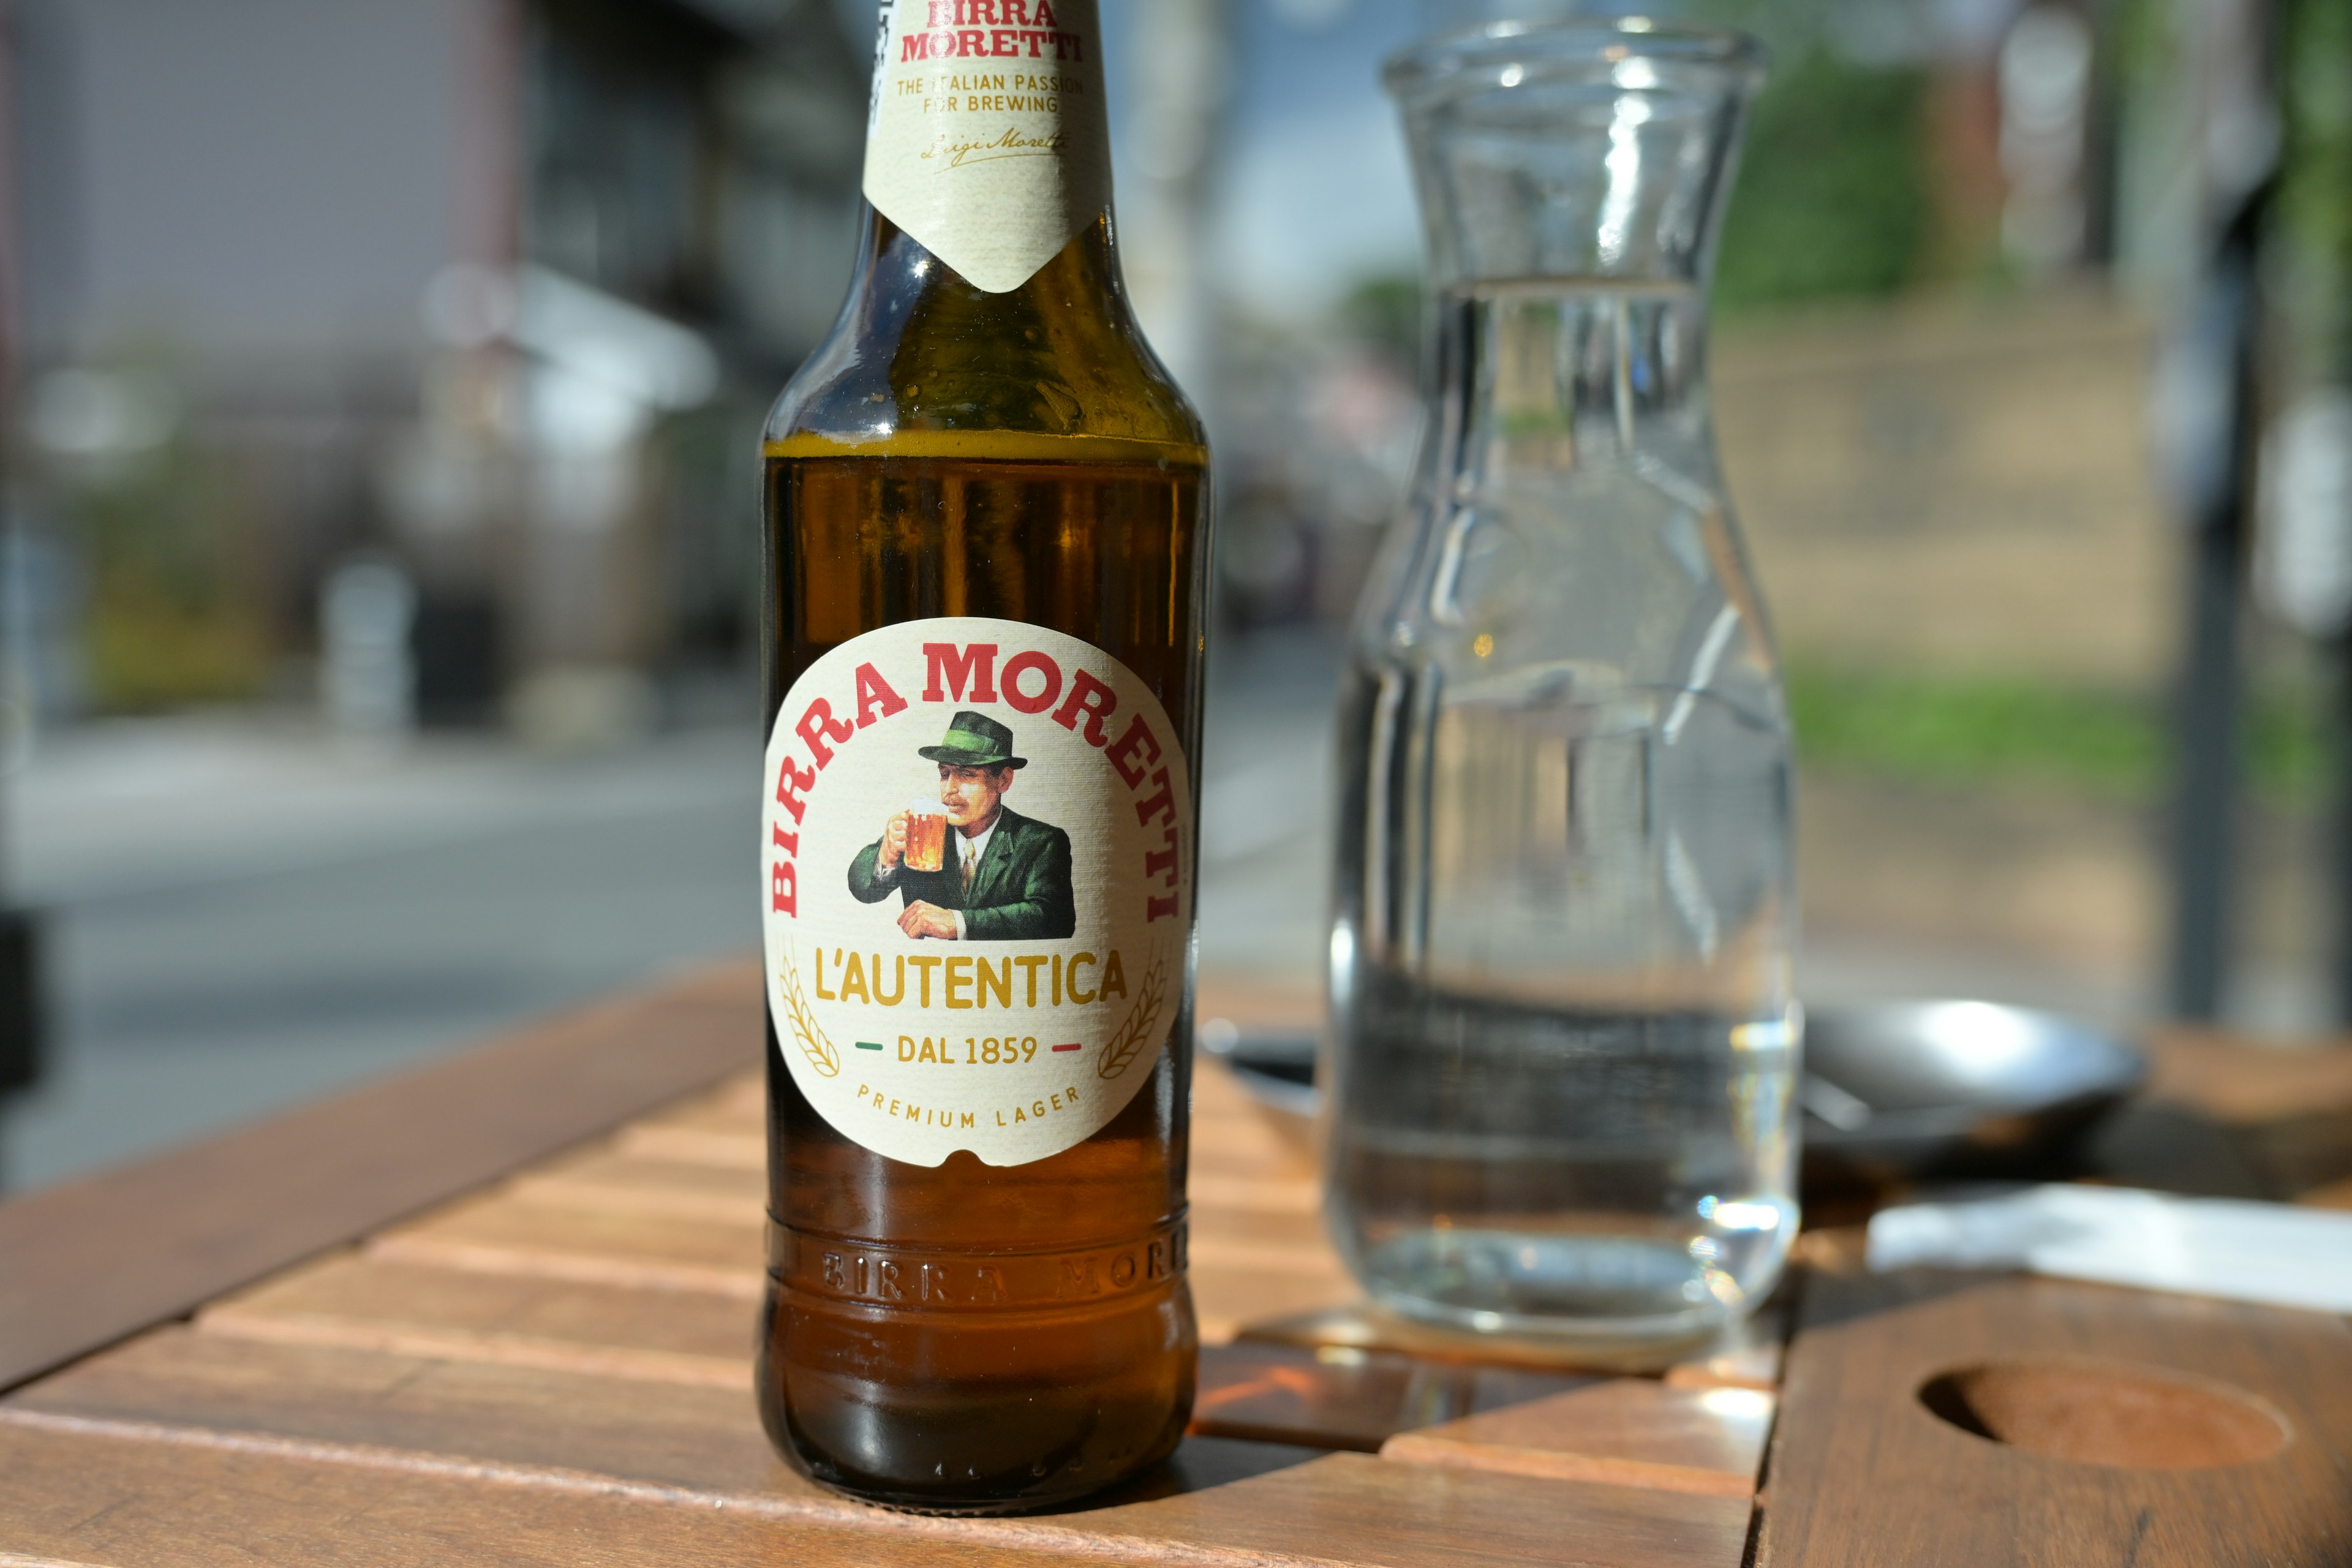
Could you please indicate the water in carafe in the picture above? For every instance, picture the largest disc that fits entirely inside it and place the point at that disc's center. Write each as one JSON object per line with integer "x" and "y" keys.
{"x": 1563, "y": 1042}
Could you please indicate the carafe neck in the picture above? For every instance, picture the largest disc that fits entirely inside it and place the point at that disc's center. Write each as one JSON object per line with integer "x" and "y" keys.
{"x": 1587, "y": 151}
{"x": 1559, "y": 374}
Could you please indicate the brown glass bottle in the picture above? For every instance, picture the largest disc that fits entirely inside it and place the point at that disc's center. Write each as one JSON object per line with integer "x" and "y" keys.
{"x": 955, "y": 452}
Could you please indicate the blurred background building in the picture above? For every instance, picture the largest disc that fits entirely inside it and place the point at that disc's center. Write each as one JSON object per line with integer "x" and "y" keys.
{"x": 379, "y": 568}
{"x": 481, "y": 293}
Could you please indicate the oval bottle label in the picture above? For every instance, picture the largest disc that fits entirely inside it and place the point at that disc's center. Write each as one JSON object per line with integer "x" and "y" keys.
{"x": 988, "y": 140}
{"x": 978, "y": 895}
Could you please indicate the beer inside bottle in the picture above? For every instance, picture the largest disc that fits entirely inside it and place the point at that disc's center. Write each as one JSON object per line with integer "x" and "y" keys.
{"x": 985, "y": 547}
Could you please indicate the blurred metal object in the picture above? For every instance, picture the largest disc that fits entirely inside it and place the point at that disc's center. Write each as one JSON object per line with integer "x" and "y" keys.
{"x": 1275, "y": 1068}
{"x": 2207, "y": 697}
{"x": 1913, "y": 1088}
{"x": 21, "y": 1053}
{"x": 1182, "y": 74}
{"x": 367, "y": 673}
{"x": 2206, "y": 395}
{"x": 2045, "y": 78}
{"x": 20, "y": 996}
{"x": 21, "y": 1043}
{"x": 2305, "y": 560}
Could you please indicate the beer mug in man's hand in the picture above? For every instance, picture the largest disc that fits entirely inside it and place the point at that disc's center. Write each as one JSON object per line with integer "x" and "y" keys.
{"x": 926, "y": 831}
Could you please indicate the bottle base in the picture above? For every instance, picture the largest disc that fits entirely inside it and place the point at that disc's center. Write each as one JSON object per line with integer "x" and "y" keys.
{"x": 1005, "y": 1498}
{"x": 932, "y": 1507}
{"x": 978, "y": 1413}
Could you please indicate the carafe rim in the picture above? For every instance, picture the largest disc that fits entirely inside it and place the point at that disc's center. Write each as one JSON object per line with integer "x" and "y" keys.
{"x": 1482, "y": 58}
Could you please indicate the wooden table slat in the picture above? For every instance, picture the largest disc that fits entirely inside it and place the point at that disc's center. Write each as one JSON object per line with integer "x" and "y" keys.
{"x": 662, "y": 1433}
{"x": 1630, "y": 1431}
{"x": 1862, "y": 1471}
{"x": 70, "y": 1501}
{"x": 91, "y": 1261}
{"x": 366, "y": 1303}
{"x": 697, "y": 1146}
{"x": 498, "y": 1233}
{"x": 1355, "y": 1509}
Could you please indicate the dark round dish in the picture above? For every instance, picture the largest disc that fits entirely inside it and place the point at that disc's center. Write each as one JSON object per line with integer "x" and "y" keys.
{"x": 1951, "y": 1087}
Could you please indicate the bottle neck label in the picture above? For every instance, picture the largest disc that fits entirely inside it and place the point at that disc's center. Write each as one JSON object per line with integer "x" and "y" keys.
{"x": 988, "y": 139}
{"x": 978, "y": 897}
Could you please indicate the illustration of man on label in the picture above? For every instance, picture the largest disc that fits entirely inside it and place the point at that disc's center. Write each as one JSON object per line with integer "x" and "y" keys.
{"x": 985, "y": 873}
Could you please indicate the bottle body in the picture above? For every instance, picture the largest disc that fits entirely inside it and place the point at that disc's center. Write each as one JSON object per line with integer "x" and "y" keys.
{"x": 985, "y": 541}
{"x": 971, "y": 1336}
{"x": 1563, "y": 1044}
{"x": 985, "y": 547}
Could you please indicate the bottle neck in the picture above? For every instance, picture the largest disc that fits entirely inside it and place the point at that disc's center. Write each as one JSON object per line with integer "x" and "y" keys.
{"x": 918, "y": 347}
{"x": 988, "y": 303}
{"x": 1085, "y": 274}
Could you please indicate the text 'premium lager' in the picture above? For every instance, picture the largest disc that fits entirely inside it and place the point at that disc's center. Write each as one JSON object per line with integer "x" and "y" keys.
{"x": 985, "y": 545}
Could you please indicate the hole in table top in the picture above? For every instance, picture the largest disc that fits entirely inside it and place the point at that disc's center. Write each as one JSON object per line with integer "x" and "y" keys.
{"x": 2107, "y": 1413}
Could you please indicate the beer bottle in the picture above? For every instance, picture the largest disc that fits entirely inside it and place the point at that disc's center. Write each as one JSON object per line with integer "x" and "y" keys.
{"x": 985, "y": 534}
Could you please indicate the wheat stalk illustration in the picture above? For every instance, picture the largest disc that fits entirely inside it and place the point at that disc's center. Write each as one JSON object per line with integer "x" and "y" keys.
{"x": 806, "y": 1031}
{"x": 1139, "y": 1030}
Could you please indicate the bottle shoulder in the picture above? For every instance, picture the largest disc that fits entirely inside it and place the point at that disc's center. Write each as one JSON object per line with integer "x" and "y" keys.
{"x": 921, "y": 363}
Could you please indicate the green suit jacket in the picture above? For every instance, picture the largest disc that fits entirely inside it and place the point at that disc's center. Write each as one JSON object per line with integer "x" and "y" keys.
{"x": 1021, "y": 891}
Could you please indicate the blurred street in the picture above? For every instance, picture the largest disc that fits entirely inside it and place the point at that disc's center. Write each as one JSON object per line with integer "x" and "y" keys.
{"x": 243, "y": 916}
{"x": 239, "y": 918}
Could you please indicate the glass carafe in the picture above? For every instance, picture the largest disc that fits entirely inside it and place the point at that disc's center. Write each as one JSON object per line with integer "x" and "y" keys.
{"x": 1563, "y": 1041}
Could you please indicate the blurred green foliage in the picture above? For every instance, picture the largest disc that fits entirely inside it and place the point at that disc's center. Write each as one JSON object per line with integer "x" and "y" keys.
{"x": 1834, "y": 194}
{"x": 1941, "y": 728}
{"x": 1935, "y": 728}
{"x": 1384, "y": 314}
{"x": 174, "y": 616}
{"x": 2315, "y": 185}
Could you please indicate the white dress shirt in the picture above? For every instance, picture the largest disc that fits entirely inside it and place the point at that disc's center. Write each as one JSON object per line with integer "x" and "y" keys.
{"x": 968, "y": 853}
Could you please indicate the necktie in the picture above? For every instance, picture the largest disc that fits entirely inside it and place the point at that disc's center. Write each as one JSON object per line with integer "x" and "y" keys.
{"x": 971, "y": 863}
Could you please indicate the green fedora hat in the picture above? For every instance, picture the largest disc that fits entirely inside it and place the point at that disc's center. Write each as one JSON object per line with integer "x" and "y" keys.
{"x": 975, "y": 741}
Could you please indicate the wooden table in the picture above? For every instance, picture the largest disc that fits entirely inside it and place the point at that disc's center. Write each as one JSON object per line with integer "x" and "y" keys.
{"x": 499, "y": 1312}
